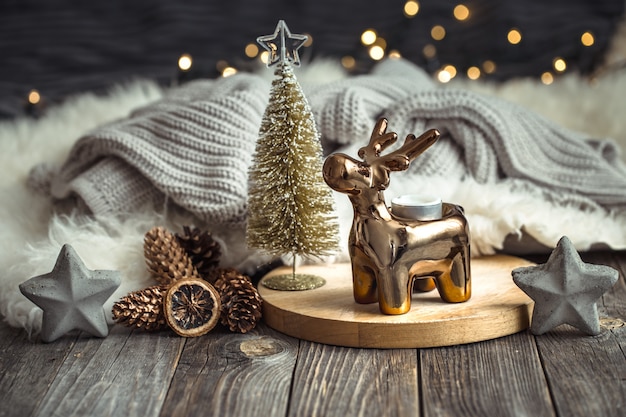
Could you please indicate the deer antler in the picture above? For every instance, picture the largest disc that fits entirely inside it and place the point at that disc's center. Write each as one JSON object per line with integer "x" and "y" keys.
{"x": 379, "y": 140}
{"x": 400, "y": 159}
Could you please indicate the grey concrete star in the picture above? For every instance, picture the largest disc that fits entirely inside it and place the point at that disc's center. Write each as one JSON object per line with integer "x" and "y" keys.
{"x": 71, "y": 296}
{"x": 282, "y": 45}
{"x": 565, "y": 290}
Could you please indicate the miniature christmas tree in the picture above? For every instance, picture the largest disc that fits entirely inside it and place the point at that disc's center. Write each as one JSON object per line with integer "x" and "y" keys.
{"x": 290, "y": 208}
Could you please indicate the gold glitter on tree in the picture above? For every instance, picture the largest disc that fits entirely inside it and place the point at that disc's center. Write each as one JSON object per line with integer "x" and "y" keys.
{"x": 290, "y": 208}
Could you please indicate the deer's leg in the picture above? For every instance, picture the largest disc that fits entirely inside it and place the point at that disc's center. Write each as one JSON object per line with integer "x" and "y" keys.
{"x": 423, "y": 270}
{"x": 424, "y": 284}
{"x": 363, "y": 278}
{"x": 454, "y": 284}
{"x": 394, "y": 290}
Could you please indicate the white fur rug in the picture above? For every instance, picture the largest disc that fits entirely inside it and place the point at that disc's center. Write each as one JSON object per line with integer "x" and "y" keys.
{"x": 31, "y": 235}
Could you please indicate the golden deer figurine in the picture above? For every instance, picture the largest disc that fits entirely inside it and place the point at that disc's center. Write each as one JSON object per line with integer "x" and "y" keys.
{"x": 390, "y": 255}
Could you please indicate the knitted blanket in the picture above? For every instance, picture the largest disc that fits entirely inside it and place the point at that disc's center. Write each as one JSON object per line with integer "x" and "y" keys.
{"x": 193, "y": 148}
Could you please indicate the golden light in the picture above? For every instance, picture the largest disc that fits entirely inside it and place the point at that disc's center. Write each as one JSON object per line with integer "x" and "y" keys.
{"x": 473, "y": 73}
{"x": 559, "y": 64}
{"x": 368, "y": 37}
{"x": 221, "y": 65}
{"x": 443, "y": 76}
{"x": 429, "y": 51}
{"x": 377, "y": 52}
{"x": 395, "y": 54}
{"x": 514, "y": 36}
{"x": 251, "y": 50}
{"x": 411, "y": 8}
{"x": 489, "y": 66}
{"x": 184, "y": 62}
{"x": 547, "y": 78}
{"x": 309, "y": 40}
{"x": 228, "y": 71}
{"x": 587, "y": 39}
{"x": 381, "y": 42}
{"x": 461, "y": 12}
{"x": 34, "y": 97}
{"x": 438, "y": 32}
{"x": 265, "y": 55}
{"x": 450, "y": 69}
{"x": 348, "y": 62}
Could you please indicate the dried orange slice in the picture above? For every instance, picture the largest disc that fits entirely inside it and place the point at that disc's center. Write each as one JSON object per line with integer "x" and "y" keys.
{"x": 192, "y": 307}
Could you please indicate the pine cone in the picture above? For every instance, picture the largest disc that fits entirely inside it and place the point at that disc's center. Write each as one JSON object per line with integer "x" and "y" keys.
{"x": 241, "y": 303}
{"x": 167, "y": 261}
{"x": 142, "y": 309}
{"x": 203, "y": 250}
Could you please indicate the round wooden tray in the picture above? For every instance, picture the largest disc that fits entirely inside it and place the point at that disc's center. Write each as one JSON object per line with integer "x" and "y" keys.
{"x": 330, "y": 315}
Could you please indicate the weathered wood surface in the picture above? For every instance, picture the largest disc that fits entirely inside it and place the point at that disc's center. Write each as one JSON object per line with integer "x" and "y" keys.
{"x": 338, "y": 381}
{"x": 233, "y": 374}
{"x": 122, "y": 374}
{"x": 587, "y": 375}
{"x": 132, "y": 373}
{"x": 501, "y": 377}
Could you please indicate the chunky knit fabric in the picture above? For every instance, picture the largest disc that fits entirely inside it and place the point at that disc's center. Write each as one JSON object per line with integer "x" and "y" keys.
{"x": 193, "y": 148}
{"x": 485, "y": 137}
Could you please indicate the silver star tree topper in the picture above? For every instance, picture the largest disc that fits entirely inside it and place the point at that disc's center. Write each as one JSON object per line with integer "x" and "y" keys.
{"x": 282, "y": 45}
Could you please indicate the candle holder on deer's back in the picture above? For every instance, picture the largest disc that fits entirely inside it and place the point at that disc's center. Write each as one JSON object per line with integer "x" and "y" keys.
{"x": 392, "y": 255}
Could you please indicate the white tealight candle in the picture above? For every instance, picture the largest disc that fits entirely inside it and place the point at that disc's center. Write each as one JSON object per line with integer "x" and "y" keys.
{"x": 417, "y": 206}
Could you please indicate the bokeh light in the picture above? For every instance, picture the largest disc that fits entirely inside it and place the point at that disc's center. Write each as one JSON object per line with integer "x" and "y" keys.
{"x": 559, "y": 64}
{"x": 438, "y": 32}
{"x": 228, "y": 71}
{"x": 514, "y": 36}
{"x": 368, "y": 37}
{"x": 587, "y": 39}
{"x": 251, "y": 50}
{"x": 348, "y": 62}
{"x": 185, "y": 62}
{"x": 461, "y": 12}
{"x": 377, "y": 52}
{"x": 450, "y": 69}
{"x": 489, "y": 66}
{"x": 264, "y": 56}
{"x": 429, "y": 51}
{"x": 309, "y": 40}
{"x": 473, "y": 73}
{"x": 547, "y": 78}
{"x": 221, "y": 65}
{"x": 34, "y": 97}
{"x": 411, "y": 8}
{"x": 443, "y": 76}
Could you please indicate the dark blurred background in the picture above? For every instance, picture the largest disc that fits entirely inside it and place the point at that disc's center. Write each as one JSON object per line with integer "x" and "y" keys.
{"x": 64, "y": 47}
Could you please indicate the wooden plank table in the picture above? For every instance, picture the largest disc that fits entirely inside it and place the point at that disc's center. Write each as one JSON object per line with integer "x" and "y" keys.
{"x": 265, "y": 373}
